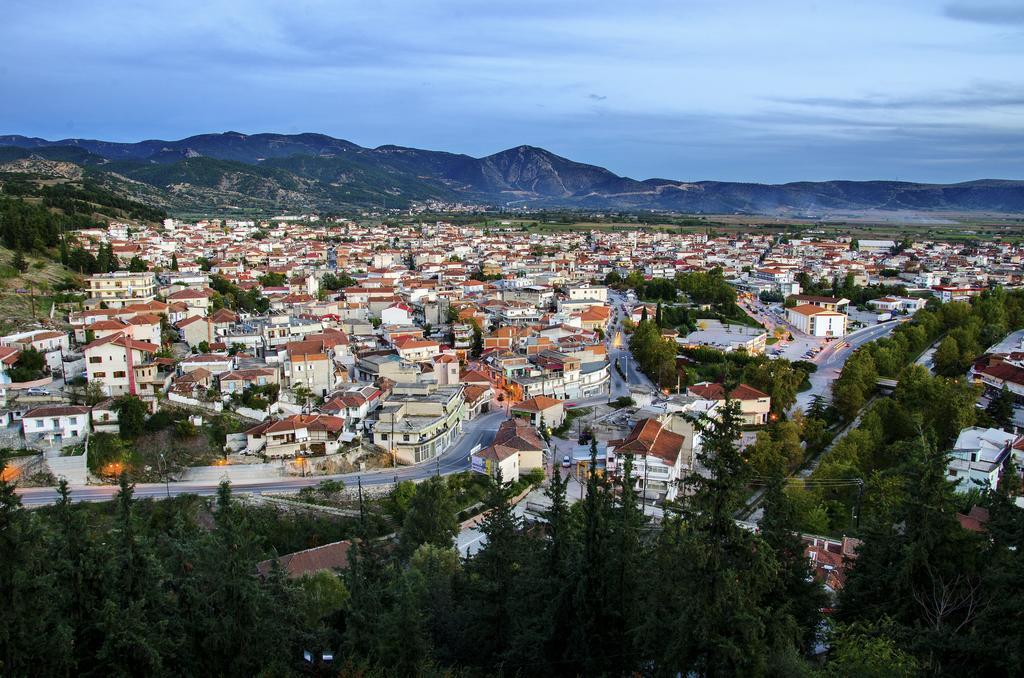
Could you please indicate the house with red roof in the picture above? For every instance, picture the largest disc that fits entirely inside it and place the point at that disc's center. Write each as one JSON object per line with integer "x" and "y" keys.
{"x": 299, "y": 435}
{"x": 517, "y": 447}
{"x": 755, "y": 405}
{"x": 660, "y": 458}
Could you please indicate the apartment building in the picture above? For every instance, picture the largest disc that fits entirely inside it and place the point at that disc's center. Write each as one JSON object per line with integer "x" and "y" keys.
{"x": 419, "y": 421}
{"x": 122, "y": 288}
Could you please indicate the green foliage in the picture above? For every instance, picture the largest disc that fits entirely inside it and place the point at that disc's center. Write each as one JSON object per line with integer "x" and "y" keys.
{"x": 29, "y": 366}
{"x": 430, "y": 518}
{"x": 131, "y": 415}
{"x": 273, "y": 279}
{"x": 335, "y": 282}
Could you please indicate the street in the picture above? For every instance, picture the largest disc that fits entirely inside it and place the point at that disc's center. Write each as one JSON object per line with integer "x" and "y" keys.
{"x": 832, "y": 358}
{"x": 479, "y": 431}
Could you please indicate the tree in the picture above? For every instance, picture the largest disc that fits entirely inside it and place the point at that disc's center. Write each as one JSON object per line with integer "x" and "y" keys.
{"x": 28, "y": 367}
{"x": 430, "y": 518}
{"x": 174, "y": 261}
{"x": 720, "y": 573}
{"x": 131, "y": 415}
{"x": 795, "y": 599}
{"x": 137, "y": 265}
{"x": 19, "y": 262}
{"x": 478, "y": 340}
{"x": 1000, "y": 408}
{"x": 947, "y": 358}
{"x": 867, "y": 650}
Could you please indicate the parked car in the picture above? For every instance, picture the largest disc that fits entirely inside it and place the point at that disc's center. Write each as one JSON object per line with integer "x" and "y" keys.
{"x": 566, "y": 461}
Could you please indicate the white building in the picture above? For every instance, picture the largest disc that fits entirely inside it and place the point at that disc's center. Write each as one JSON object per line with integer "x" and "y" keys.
{"x": 817, "y": 321}
{"x": 56, "y": 424}
{"x": 978, "y": 457}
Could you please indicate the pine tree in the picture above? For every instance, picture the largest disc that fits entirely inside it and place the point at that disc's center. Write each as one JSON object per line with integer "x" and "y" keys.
{"x": 1000, "y": 408}
{"x": 174, "y": 262}
{"x": 430, "y": 518}
{"x": 19, "y": 262}
{"x": 795, "y": 599}
{"x": 493, "y": 575}
{"x": 719, "y": 572}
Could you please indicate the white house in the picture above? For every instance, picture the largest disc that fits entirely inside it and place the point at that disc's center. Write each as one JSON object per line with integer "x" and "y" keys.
{"x": 978, "y": 457}
{"x": 396, "y": 314}
{"x": 56, "y": 424}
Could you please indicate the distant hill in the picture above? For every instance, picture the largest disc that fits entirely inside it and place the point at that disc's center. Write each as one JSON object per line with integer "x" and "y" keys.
{"x": 315, "y": 171}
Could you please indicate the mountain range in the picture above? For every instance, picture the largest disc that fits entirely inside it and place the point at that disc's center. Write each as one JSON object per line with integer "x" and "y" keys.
{"x": 232, "y": 170}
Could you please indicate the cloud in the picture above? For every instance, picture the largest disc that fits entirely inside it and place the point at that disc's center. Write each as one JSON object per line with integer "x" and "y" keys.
{"x": 596, "y": 97}
{"x": 998, "y": 14}
{"x": 999, "y": 95}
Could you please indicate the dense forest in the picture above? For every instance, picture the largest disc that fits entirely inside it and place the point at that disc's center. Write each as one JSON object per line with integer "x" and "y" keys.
{"x": 37, "y": 217}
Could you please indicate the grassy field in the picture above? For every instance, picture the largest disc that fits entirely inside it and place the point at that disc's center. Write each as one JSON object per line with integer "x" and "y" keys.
{"x": 26, "y": 298}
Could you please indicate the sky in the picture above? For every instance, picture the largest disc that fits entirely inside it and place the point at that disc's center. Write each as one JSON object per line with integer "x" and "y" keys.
{"x": 737, "y": 90}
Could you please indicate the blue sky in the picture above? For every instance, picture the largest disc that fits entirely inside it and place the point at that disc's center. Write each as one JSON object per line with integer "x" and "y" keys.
{"x": 724, "y": 89}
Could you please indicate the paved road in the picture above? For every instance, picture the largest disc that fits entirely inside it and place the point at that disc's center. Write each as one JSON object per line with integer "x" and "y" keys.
{"x": 618, "y": 349}
{"x": 832, "y": 358}
{"x": 479, "y": 431}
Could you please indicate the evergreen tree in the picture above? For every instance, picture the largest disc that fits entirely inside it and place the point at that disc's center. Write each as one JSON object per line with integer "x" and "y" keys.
{"x": 19, "y": 262}
{"x": 796, "y": 599}
{"x": 493, "y": 573}
{"x": 1000, "y": 408}
{"x": 430, "y": 518}
{"x": 174, "y": 261}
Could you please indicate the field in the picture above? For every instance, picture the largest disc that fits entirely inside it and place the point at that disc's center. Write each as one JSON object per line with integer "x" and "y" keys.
{"x": 26, "y": 298}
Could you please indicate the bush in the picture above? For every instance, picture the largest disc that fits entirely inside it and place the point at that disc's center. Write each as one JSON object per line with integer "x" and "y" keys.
{"x": 535, "y": 476}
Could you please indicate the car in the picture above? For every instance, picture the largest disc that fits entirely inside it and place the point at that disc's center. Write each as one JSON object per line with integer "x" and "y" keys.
{"x": 37, "y": 391}
{"x": 566, "y": 461}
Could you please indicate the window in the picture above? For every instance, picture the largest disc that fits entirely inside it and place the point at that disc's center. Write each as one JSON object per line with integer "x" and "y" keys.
{"x": 96, "y": 359}
{"x": 99, "y": 375}
{"x": 39, "y": 423}
{"x": 383, "y": 436}
{"x": 119, "y": 374}
{"x": 72, "y": 420}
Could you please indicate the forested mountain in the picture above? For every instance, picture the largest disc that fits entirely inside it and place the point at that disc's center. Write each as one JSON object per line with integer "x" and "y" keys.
{"x": 315, "y": 171}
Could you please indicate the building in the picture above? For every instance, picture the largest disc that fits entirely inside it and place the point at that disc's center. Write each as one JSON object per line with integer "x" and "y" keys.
{"x": 726, "y": 337}
{"x": 419, "y": 421}
{"x": 837, "y": 304}
{"x": 517, "y": 447}
{"x": 658, "y": 458}
{"x": 980, "y": 455}
{"x": 122, "y": 288}
{"x": 299, "y": 435}
{"x": 755, "y": 406}
{"x": 537, "y": 409}
{"x": 57, "y": 425}
{"x": 122, "y": 365}
{"x": 903, "y": 304}
{"x": 816, "y": 321}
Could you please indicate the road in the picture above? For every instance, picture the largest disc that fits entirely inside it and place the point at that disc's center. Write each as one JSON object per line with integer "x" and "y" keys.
{"x": 479, "y": 431}
{"x": 832, "y": 358}
{"x": 618, "y": 350}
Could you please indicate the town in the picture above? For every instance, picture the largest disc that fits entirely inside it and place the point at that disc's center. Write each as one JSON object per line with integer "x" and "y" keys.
{"x": 297, "y": 355}
{"x": 333, "y": 348}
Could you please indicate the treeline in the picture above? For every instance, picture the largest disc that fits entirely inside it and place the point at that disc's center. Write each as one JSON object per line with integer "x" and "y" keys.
{"x": 64, "y": 207}
{"x": 91, "y": 198}
{"x": 27, "y": 227}
{"x": 593, "y": 590}
{"x": 968, "y": 328}
{"x": 157, "y": 589}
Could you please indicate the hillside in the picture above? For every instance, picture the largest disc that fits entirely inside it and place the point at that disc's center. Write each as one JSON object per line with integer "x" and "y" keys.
{"x": 314, "y": 171}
